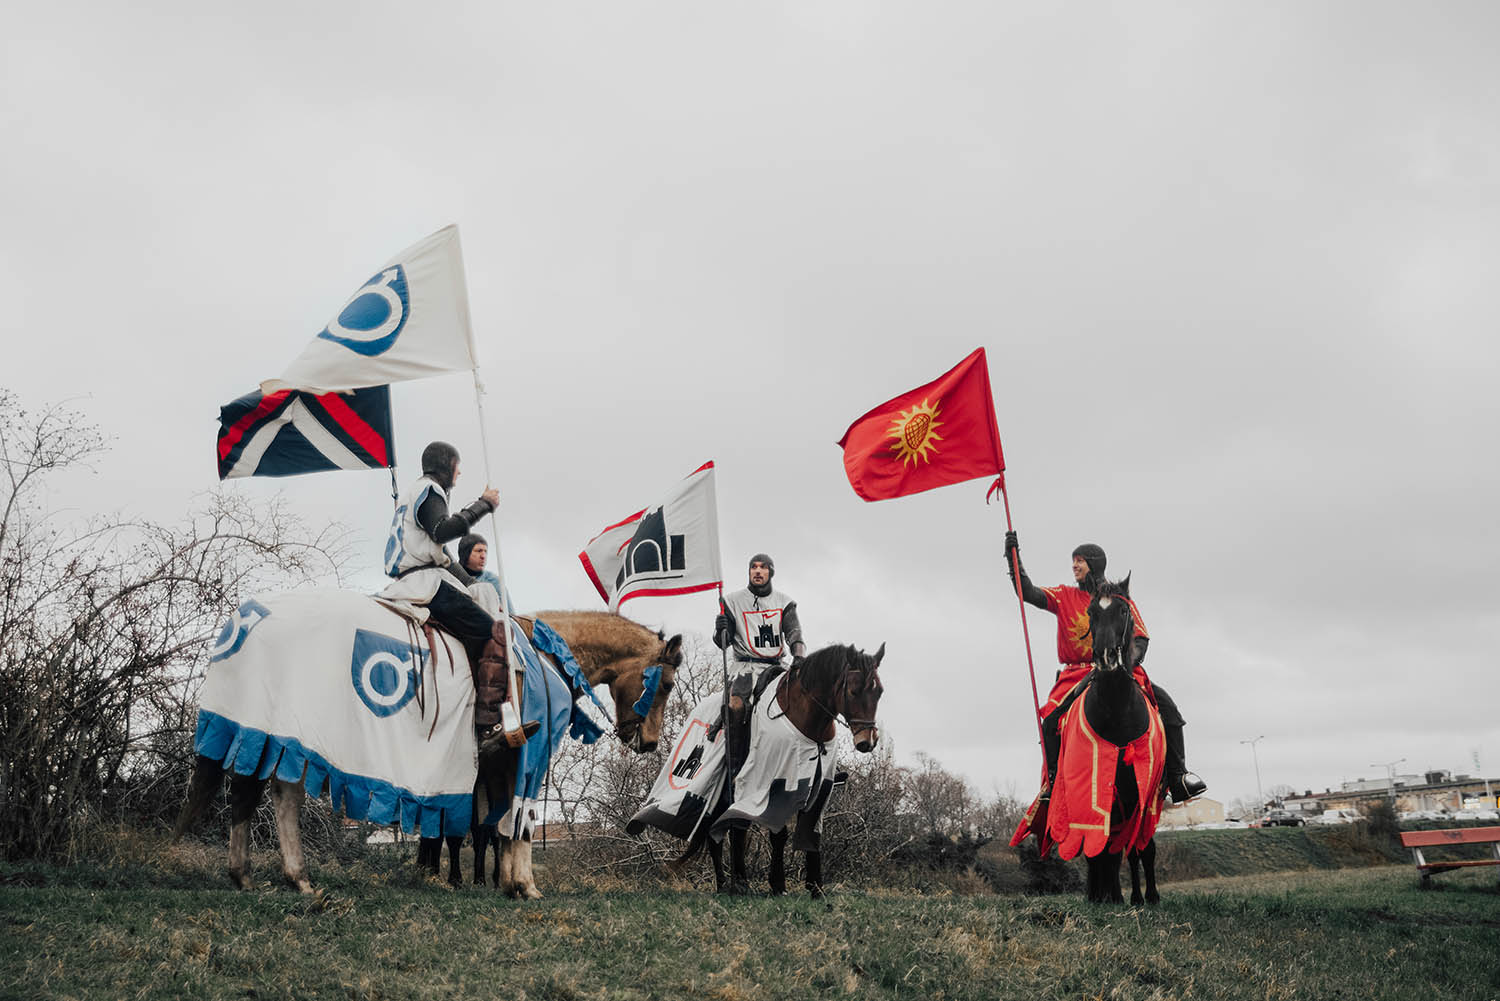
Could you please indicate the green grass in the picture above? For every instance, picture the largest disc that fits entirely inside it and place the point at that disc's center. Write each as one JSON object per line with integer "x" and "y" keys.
{"x": 138, "y": 926}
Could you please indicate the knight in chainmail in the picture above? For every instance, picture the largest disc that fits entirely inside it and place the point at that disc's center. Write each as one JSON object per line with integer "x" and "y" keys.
{"x": 758, "y": 626}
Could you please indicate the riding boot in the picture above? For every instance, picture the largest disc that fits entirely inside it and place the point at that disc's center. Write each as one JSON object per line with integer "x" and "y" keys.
{"x": 1051, "y": 749}
{"x": 1182, "y": 785}
{"x": 491, "y": 688}
{"x": 737, "y": 733}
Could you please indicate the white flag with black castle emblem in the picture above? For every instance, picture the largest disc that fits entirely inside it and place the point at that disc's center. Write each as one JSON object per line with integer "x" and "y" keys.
{"x": 409, "y": 321}
{"x": 670, "y": 548}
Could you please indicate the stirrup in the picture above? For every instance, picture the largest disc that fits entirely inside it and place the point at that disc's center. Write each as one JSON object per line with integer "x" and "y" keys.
{"x": 1185, "y": 787}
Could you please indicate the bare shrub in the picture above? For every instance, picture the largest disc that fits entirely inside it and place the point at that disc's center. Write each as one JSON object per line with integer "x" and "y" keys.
{"x": 103, "y": 630}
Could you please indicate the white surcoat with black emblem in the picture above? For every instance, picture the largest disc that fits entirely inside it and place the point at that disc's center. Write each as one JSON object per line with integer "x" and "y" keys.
{"x": 759, "y": 636}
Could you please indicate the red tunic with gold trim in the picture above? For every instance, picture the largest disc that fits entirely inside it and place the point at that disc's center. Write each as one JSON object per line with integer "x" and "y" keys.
{"x": 1085, "y": 788}
{"x": 1075, "y": 647}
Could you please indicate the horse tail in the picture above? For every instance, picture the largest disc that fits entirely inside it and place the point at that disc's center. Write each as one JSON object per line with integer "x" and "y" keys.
{"x": 689, "y": 853}
{"x": 207, "y": 776}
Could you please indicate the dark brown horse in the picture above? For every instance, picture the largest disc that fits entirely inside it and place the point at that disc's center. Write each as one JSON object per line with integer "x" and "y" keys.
{"x": 837, "y": 682}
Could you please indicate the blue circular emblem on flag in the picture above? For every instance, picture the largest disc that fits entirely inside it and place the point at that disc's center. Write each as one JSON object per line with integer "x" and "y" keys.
{"x": 384, "y": 672}
{"x": 374, "y": 316}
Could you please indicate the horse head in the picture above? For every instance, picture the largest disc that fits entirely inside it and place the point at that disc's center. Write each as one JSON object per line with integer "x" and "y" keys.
{"x": 1112, "y": 625}
{"x": 640, "y": 686}
{"x": 858, "y": 695}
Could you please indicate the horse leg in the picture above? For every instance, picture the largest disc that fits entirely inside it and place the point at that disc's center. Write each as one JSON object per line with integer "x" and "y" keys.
{"x": 716, "y": 853}
{"x": 244, "y": 797}
{"x": 287, "y": 798}
{"x": 778, "y": 862}
{"x": 1136, "y": 899}
{"x": 481, "y": 838}
{"x": 1112, "y": 877}
{"x": 1148, "y": 860}
{"x": 1093, "y": 881}
{"x": 813, "y": 862}
{"x": 208, "y": 775}
{"x": 740, "y": 879}
{"x": 430, "y": 855}
{"x": 506, "y": 850}
{"x": 525, "y": 878}
{"x": 455, "y": 849}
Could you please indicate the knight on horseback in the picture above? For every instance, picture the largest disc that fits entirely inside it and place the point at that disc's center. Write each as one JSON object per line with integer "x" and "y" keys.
{"x": 415, "y": 555}
{"x": 757, "y": 625}
{"x": 1075, "y": 654}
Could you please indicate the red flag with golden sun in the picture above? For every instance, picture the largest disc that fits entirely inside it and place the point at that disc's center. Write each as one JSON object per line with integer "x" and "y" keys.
{"x": 937, "y": 434}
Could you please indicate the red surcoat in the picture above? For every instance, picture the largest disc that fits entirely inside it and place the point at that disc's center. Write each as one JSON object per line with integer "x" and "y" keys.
{"x": 1075, "y": 647}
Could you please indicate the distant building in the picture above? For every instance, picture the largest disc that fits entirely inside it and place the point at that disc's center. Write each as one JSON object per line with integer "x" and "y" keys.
{"x": 1435, "y": 790}
{"x": 1199, "y": 811}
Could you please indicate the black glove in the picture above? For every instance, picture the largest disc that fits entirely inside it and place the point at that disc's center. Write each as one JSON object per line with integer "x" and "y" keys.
{"x": 1012, "y": 554}
{"x": 722, "y": 631}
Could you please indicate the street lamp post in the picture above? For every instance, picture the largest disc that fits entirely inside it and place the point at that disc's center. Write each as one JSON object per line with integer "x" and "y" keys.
{"x": 1256, "y": 758}
{"x": 1390, "y": 774}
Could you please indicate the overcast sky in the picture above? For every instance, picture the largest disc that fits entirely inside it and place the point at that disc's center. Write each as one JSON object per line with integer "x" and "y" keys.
{"x": 1237, "y": 268}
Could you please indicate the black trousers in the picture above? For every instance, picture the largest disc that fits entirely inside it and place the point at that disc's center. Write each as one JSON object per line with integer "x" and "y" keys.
{"x": 459, "y": 614}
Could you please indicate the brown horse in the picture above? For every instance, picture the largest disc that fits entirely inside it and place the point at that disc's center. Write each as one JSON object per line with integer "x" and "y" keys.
{"x": 835, "y": 682}
{"x": 610, "y": 649}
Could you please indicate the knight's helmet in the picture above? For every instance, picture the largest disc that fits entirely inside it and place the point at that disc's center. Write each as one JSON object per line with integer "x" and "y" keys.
{"x": 1094, "y": 557}
{"x": 770, "y": 565}
{"x": 438, "y": 460}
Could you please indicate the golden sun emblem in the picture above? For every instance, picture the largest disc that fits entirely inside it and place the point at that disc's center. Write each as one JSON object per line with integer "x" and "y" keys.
{"x": 915, "y": 432}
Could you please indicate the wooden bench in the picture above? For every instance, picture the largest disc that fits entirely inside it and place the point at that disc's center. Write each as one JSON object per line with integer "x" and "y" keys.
{"x": 1417, "y": 840}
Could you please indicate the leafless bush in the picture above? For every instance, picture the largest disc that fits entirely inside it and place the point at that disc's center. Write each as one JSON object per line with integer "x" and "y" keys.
{"x": 103, "y": 630}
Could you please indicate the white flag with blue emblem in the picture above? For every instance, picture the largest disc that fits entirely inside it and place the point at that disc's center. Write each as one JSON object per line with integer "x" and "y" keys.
{"x": 409, "y": 321}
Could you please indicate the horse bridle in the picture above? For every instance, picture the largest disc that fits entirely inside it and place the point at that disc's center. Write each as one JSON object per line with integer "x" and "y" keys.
{"x": 840, "y": 693}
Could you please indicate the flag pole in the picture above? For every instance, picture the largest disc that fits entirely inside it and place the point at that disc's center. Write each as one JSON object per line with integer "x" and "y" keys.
{"x": 517, "y": 676}
{"x": 1015, "y": 570}
{"x": 1014, "y": 561}
{"x": 724, "y": 710}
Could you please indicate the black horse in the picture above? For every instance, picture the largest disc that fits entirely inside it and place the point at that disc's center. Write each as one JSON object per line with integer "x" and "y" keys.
{"x": 1117, "y": 710}
{"x": 837, "y": 681}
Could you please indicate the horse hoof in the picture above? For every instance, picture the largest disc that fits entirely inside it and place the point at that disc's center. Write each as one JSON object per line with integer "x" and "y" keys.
{"x": 815, "y": 892}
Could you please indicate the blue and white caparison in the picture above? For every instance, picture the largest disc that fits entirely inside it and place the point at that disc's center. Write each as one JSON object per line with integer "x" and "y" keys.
{"x": 374, "y": 316}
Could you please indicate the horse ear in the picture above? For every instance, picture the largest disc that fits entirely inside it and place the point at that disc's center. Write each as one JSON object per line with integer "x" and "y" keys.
{"x": 880, "y": 655}
{"x": 673, "y": 649}
{"x": 1125, "y": 586}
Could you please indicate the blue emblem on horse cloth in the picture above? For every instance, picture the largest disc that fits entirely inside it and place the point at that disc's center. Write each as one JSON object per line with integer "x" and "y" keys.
{"x": 384, "y": 671}
{"x": 232, "y": 636}
{"x": 651, "y": 679}
{"x": 374, "y": 316}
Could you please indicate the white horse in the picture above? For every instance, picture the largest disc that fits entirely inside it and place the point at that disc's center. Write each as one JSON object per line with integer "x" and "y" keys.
{"x": 333, "y": 692}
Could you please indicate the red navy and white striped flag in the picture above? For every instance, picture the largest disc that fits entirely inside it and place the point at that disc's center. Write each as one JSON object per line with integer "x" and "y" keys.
{"x": 286, "y": 433}
{"x": 669, "y": 548}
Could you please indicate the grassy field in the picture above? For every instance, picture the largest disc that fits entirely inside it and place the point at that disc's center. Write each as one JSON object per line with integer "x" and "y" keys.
{"x": 143, "y": 926}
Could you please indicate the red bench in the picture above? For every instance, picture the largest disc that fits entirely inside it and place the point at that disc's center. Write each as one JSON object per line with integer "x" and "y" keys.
{"x": 1417, "y": 840}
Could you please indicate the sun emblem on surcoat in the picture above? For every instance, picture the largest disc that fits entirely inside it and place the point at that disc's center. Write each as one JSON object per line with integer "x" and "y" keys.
{"x": 1082, "y": 641}
{"x": 914, "y": 432}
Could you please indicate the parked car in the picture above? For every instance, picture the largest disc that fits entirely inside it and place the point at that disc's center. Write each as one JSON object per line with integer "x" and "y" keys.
{"x": 1281, "y": 818}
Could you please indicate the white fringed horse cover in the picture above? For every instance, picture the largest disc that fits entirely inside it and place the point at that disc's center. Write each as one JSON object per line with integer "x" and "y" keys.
{"x": 784, "y": 774}
{"x": 332, "y": 689}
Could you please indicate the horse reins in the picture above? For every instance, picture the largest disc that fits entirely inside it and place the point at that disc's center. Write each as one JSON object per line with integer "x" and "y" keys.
{"x": 840, "y": 690}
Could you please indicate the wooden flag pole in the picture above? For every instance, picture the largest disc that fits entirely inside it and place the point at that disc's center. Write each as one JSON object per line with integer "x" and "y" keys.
{"x": 517, "y": 674}
{"x": 1015, "y": 570}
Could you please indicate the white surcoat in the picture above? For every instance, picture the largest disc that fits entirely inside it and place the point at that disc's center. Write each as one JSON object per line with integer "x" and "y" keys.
{"x": 757, "y": 625}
